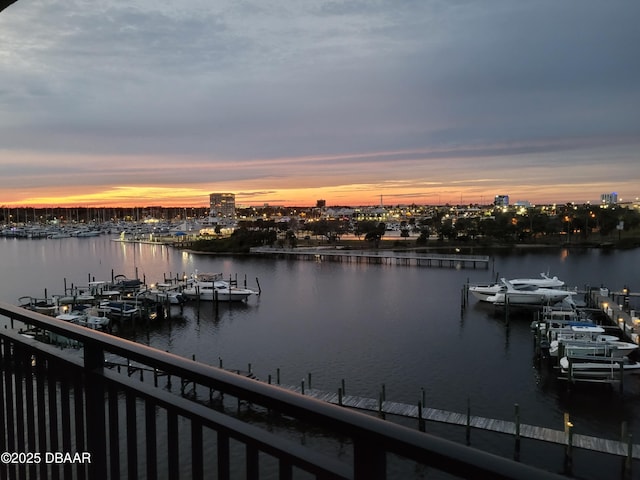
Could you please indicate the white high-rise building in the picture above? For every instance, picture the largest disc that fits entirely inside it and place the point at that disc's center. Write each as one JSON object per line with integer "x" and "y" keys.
{"x": 609, "y": 198}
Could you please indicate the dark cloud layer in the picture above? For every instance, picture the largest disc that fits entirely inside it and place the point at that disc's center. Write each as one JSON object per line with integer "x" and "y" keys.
{"x": 244, "y": 82}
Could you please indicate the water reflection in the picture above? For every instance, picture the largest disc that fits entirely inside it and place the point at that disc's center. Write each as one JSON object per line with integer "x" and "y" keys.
{"x": 365, "y": 324}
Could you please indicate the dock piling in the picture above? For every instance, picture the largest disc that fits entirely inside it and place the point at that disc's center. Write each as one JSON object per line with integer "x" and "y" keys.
{"x": 629, "y": 459}
{"x": 468, "y": 433}
{"x": 517, "y": 433}
{"x": 568, "y": 456}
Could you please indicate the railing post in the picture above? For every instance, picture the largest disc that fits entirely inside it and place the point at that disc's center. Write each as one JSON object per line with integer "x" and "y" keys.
{"x": 95, "y": 409}
{"x": 370, "y": 460}
{"x": 517, "y": 432}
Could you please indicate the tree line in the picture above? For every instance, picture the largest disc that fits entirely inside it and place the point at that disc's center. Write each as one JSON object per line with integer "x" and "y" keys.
{"x": 567, "y": 224}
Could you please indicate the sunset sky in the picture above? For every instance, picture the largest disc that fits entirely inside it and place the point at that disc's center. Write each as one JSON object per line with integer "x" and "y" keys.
{"x": 286, "y": 102}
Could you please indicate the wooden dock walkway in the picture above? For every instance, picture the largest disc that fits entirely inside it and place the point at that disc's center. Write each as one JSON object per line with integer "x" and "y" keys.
{"x": 618, "y": 313}
{"x": 515, "y": 429}
{"x": 385, "y": 257}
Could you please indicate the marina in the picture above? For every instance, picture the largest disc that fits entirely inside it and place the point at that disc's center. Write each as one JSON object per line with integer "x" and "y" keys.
{"x": 370, "y": 324}
{"x": 583, "y": 351}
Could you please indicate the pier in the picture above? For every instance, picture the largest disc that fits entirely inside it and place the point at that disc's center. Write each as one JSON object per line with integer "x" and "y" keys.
{"x": 381, "y": 407}
{"x": 381, "y": 257}
{"x": 518, "y": 430}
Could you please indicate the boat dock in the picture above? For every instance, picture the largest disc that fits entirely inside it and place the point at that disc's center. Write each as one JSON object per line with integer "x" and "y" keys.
{"x": 381, "y": 407}
{"x": 422, "y": 414}
{"x": 617, "y": 318}
{"x": 382, "y": 257}
{"x": 615, "y": 306}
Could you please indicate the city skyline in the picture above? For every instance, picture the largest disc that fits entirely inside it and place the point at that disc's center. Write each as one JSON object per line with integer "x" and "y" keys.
{"x": 285, "y": 103}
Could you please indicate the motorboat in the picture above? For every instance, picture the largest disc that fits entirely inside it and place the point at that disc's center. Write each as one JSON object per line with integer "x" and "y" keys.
{"x": 528, "y": 295}
{"x": 483, "y": 292}
{"x": 211, "y": 287}
{"x": 101, "y": 289}
{"x": 578, "y": 331}
{"x": 85, "y": 232}
{"x": 91, "y": 317}
{"x": 594, "y": 367}
{"x": 120, "y": 309}
{"x": 70, "y": 317}
{"x": 602, "y": 348}
{"x": 219, "y": 290}
{"x": 60, "y": 234}
{"x": 588, "y": 340}
{"x": 95, "y": 321}
{"x": 566, "y": 312}
{"x": 554, "y": 318}
{"x": 126, "y": 285}
{"x": 46, "y": 306}
{"x": 164, "y": 292}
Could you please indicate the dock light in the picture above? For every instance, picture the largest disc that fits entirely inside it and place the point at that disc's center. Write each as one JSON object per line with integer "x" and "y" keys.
{"x": 605, "y": 305}
{"x": 569, "y": 425}
{"x": 625, "y": 290}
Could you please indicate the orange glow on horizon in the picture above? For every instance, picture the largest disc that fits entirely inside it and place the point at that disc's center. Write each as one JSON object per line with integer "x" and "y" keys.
{"x": 346, "y": 195}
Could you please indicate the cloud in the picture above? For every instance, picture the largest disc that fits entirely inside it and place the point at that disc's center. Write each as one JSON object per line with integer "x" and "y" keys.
{"x": 252, "y": 93}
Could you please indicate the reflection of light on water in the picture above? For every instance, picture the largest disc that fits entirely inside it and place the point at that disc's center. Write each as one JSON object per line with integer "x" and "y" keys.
{"x": 564, "y": 254}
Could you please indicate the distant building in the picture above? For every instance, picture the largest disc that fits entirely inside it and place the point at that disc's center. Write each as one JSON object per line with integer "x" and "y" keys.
{"x": 609, "y": 198}
{"x": 501, "y": 201}
{"x": 222, "y": 205}
{"x": 321, "y": 203}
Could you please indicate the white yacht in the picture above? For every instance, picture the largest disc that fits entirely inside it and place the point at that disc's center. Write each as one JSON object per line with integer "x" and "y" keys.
{"x": 483, "y": 292}
{"x": 528, "y": 295}
{"x": 210, "y": 287}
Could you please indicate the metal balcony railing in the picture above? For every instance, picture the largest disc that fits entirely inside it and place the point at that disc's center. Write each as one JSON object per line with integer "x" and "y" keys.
{"x": 63, "y": 406}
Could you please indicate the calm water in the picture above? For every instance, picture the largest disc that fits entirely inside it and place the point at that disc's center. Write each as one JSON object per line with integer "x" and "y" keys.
{"x": 367, "y": 324}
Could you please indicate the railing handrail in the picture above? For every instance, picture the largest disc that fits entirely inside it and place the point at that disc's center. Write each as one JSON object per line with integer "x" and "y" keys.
{"x": 387, "y": 436}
